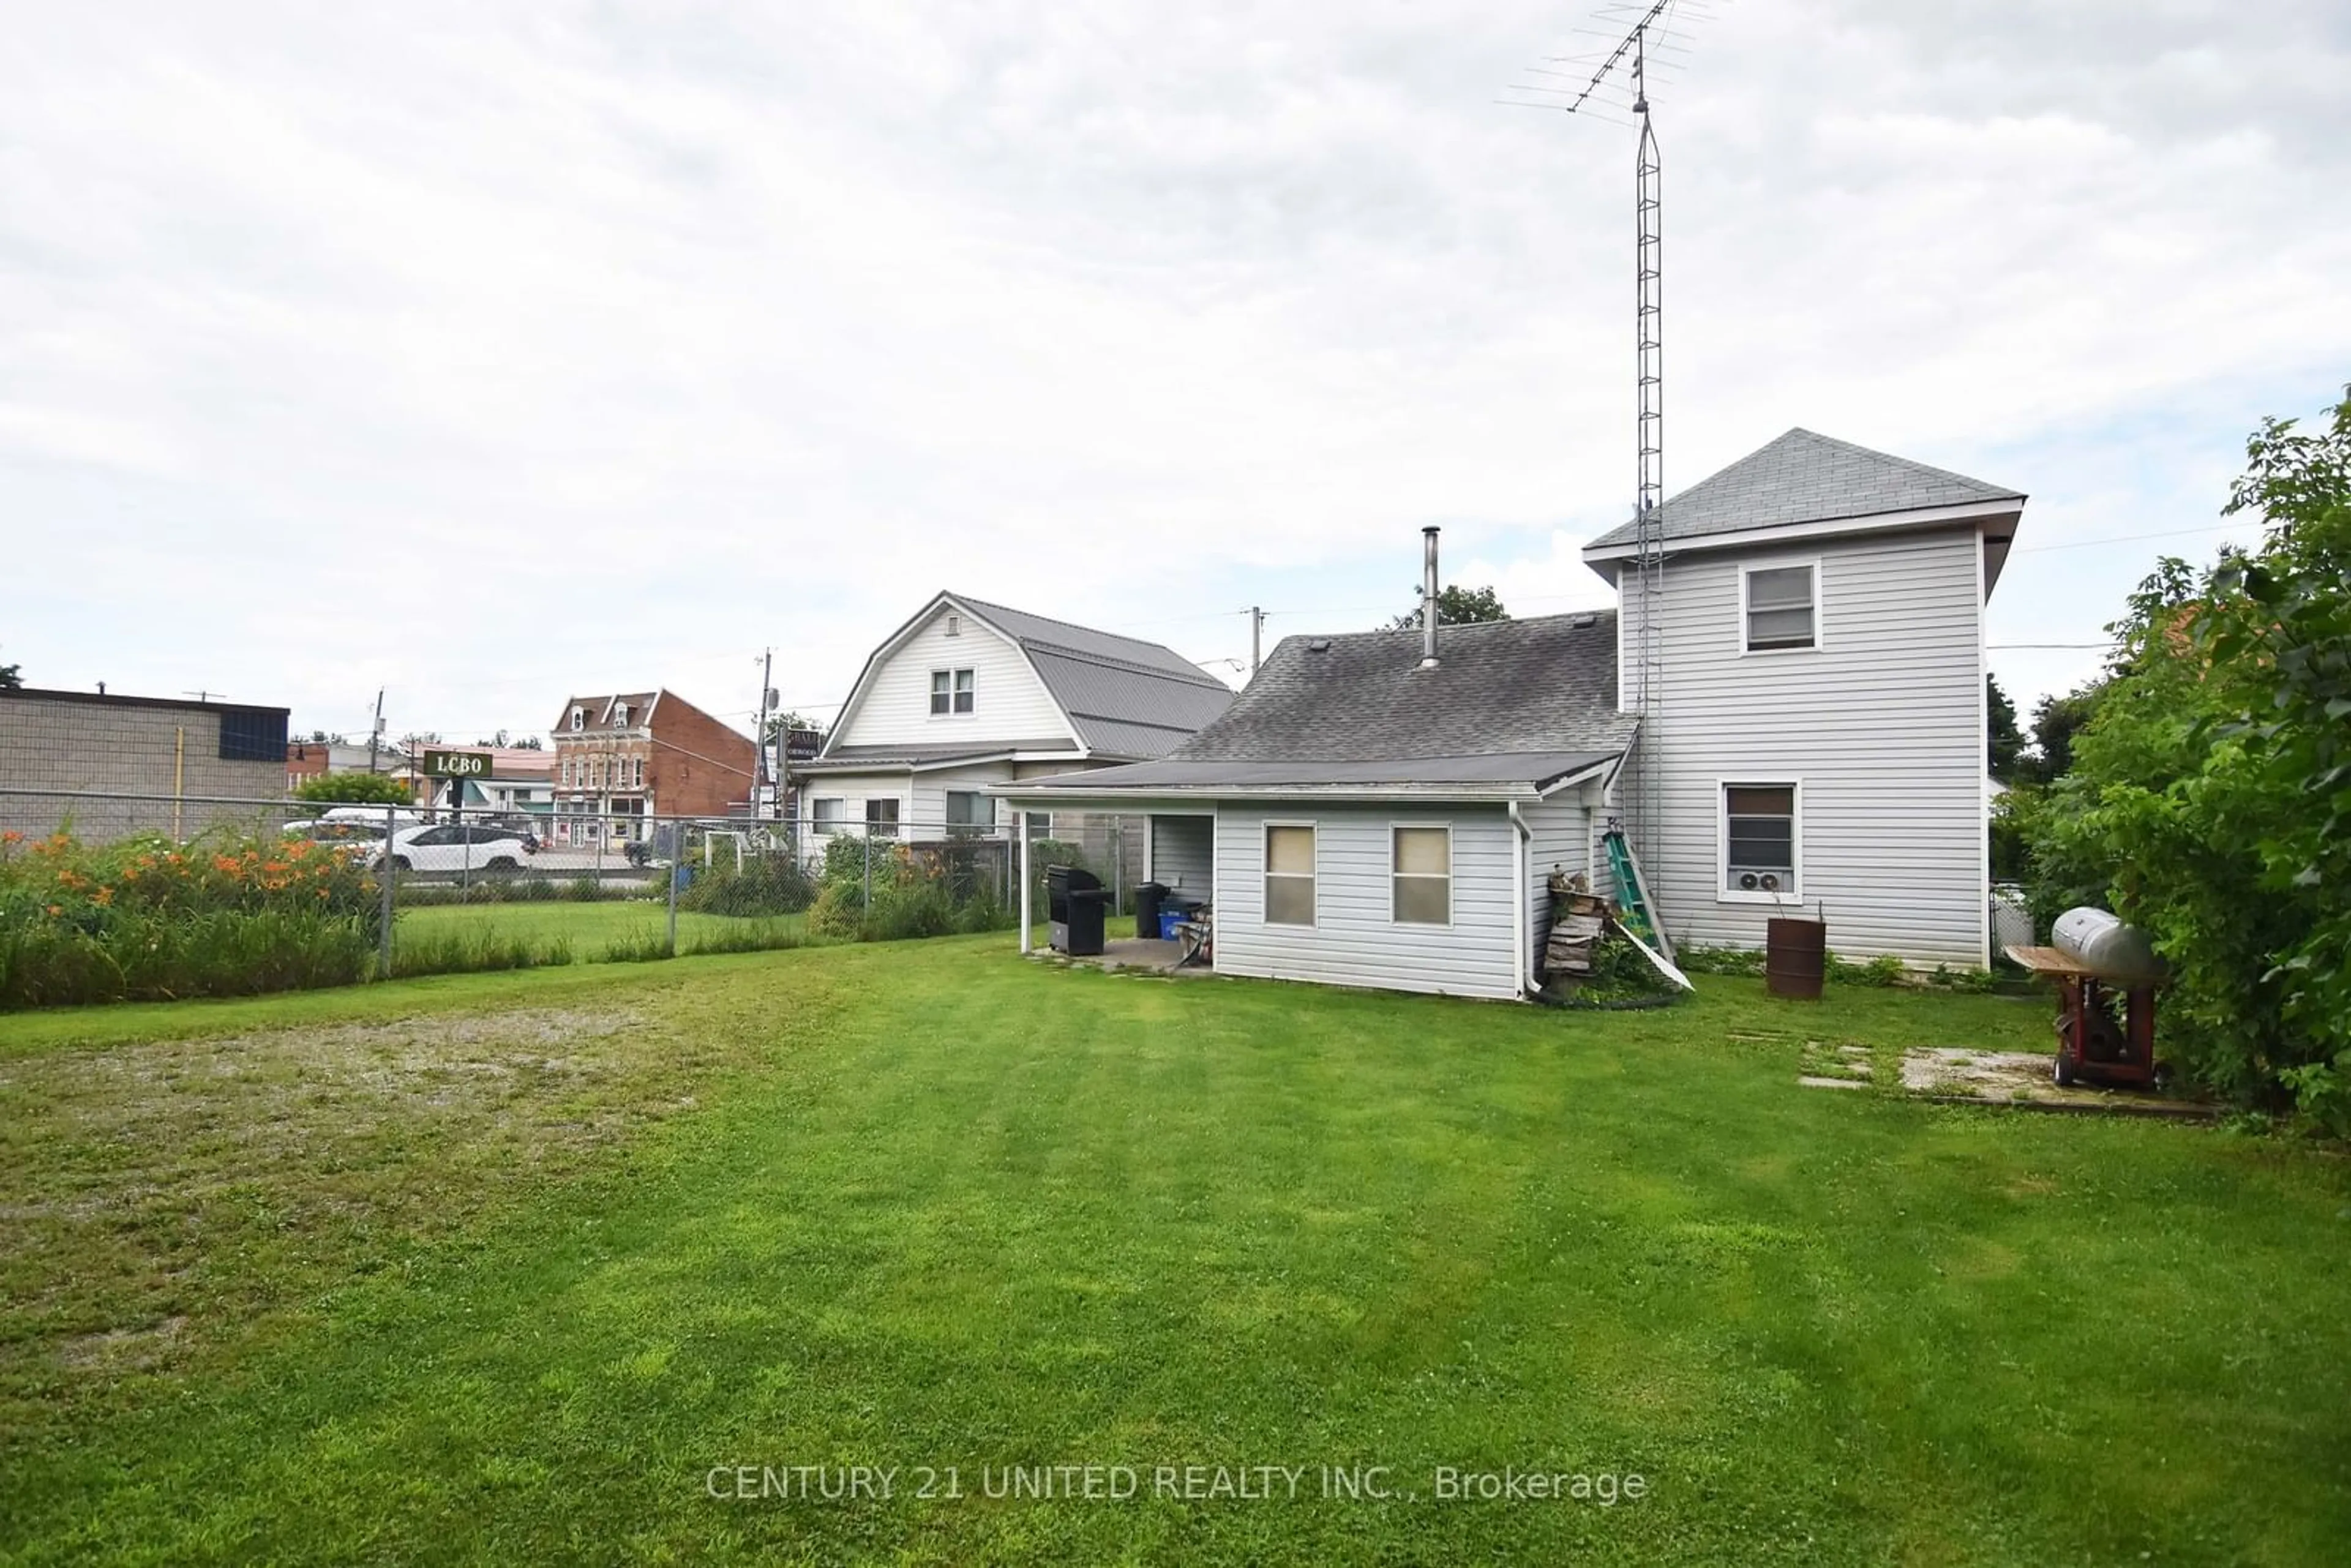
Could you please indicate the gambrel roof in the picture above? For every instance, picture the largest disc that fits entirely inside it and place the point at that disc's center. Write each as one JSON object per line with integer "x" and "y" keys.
{"x": 1807, "y": 477}
{"x": 1123, "y": 697}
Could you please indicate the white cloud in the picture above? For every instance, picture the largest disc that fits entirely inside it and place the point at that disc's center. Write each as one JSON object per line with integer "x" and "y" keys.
{"x": 600, "y": 345}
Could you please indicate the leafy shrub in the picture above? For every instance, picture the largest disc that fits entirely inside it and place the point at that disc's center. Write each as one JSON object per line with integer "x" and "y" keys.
{"x": 354, "y": 789}
{"x": 839, "y": 912}
{"x": 2209, "y": 797}
{"x": 645, "y": 947}
{"x": 771, "y": 884}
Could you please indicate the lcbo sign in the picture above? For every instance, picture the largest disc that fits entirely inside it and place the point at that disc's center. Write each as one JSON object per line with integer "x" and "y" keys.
{"x": 456, "y": 764}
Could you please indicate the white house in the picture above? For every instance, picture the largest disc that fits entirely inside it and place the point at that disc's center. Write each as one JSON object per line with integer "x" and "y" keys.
{"x": 1813, "y": 739}
{"x": 970, "y": 694}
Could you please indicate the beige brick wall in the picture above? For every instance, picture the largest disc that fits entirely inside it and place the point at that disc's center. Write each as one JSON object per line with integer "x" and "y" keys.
{"x": 53, "y": 743}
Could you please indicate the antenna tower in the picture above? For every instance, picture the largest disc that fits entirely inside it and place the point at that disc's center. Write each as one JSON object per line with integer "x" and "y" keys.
{"x": 1619, "y": 79}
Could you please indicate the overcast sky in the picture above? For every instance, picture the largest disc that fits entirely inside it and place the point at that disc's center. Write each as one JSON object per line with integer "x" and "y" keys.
{"x": 491, "y": 353}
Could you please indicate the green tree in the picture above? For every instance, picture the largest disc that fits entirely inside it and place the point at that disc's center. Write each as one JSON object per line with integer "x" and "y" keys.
{"x": 778, "y": 723}
{"x": 2004, "y": 741}
{"x": 354, "y": 789}
{"x": 2057, "y": 720}
{"x": 10, "y": 681}
{"x": 2209, "y": 798}
{"x": 1457, "y": 606}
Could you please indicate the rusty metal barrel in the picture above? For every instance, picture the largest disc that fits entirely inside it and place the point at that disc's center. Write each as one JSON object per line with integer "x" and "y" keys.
{"x": 1796, "y": 957}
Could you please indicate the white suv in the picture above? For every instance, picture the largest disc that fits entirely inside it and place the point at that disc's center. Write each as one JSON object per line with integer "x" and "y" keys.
{"x": 454, "y": 846}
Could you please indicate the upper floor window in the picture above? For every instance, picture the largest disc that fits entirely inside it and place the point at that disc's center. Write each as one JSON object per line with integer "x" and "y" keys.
{"x": 1781, "y": 606}
{"x": 952, "y": 691}
{"x": 620, "y": 716}
{"x": 637, "y": 771}
{"x": 579, "y": 718}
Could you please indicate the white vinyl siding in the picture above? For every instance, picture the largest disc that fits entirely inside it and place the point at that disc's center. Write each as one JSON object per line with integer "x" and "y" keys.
{"x": 1356, "y": 940}
{"x": 1184, "y": 853}
{"x": 1883, "y": 723}
{"x": 894, "y": 708}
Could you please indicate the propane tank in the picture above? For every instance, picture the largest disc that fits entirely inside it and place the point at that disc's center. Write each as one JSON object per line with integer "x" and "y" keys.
{"x": 2101, "y": 941}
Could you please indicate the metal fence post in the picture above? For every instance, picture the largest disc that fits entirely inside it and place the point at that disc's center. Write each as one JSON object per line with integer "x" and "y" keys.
{"x": 676, "y": 868}
{"x": 386, "y": 871}
{"x": 869, "y": 868}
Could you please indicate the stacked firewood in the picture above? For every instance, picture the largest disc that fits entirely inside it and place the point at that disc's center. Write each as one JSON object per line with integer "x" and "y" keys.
{"x": 1578, "y": 915}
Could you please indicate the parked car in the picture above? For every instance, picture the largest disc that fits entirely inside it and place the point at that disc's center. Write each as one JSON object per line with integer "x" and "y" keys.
{"x": 455, "y": 846}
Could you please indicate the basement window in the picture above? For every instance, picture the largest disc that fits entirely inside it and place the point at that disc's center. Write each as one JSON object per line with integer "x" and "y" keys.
{"x": 1779, "y": 607}
{"x": 1289, "y": 874}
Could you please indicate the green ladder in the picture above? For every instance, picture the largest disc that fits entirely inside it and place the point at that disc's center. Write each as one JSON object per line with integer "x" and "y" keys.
{"x": 1633, "y": 894}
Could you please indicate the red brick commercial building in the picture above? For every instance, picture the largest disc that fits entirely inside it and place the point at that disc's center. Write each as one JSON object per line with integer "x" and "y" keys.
{"x": 630, "y": 756}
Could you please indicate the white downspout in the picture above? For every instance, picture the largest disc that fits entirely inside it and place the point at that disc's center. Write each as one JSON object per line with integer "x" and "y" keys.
{"x": 1519, "y": 901}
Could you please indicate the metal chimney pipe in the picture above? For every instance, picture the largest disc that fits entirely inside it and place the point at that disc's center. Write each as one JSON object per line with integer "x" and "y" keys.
{"x": 1428, "y": 598}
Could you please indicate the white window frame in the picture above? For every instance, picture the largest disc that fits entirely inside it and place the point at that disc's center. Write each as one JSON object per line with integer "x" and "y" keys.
{"x": 1723, "y": 892}
{"x": 1444, "y": 924}
{"x": 1266, "y": 873}
{"x": 579, "y": 718}
{"x": 986, "y": 804}
{"x": 819, "y": 820}
{"x": 897, "y": 823}
{"x": 962, "y": 682}
{"x": 1747, "y": 569}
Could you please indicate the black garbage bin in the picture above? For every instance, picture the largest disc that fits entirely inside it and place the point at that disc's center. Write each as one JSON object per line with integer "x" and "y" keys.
{"x": 1146, "y": 908}
{"x": 1074, "y": 898}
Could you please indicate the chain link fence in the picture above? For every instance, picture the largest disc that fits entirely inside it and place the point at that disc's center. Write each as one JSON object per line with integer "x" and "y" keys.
{"x": 440, "y": 890}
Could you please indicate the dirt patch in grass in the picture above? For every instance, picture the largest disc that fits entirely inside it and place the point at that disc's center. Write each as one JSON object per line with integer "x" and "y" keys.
{"x": 165, "y": 1202}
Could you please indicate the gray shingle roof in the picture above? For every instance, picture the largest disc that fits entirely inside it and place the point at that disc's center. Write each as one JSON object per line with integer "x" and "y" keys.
{"x": 1127, "y": 697}
{"x": 1510, "y": 702}
{"x": 1804, "y": 477}
{"x": 1175, "y": 774}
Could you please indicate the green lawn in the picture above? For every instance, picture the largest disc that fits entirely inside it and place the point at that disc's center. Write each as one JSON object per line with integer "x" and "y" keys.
{"x": 591, "y": 929}
{"x": 502, "y": 1267}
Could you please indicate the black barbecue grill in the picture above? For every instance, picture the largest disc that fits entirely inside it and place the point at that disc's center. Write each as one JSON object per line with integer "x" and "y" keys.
{"x": 1074, "y": 898}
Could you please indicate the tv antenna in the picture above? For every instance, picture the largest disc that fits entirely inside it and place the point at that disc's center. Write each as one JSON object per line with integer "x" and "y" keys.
{"x": 1605, "y": 83}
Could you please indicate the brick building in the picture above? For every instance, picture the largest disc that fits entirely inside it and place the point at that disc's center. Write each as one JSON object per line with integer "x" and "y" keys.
{"x": 90, "y": 741}
{"x": 630, "y": 755}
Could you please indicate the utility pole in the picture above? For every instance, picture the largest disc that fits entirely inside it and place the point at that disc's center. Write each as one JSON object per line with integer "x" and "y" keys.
{"x": 759, "y": 754}
{"x": 376, "y": 734}
{"x": 1257, "y": 630}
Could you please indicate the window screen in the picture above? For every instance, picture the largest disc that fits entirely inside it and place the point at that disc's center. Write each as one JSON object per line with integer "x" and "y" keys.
{"x": 1780, "y": 608}
{"x": 1290, "y": 876}
{"x": 1424, "y": 876}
